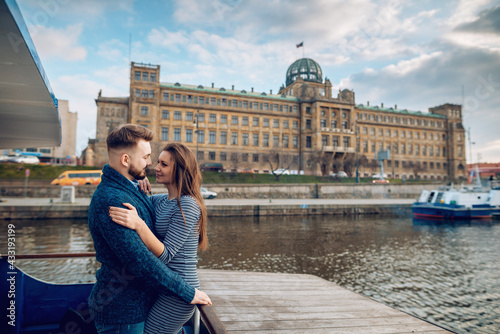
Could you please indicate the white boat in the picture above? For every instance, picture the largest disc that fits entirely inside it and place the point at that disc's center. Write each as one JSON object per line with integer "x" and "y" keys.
{"x": 472, "y": 202}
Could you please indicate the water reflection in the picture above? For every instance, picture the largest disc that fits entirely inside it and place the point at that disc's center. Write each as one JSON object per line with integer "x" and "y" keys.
{"x": 447, "y": 273}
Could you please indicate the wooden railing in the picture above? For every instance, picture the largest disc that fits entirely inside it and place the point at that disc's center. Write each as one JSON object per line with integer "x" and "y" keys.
{"x": 207, "y": 313}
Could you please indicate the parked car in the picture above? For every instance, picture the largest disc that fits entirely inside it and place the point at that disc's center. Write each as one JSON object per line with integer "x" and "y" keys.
{"x": 207, "y": 194}
{"x": 247, "y": 170}
{"x": 281, "y": 171}
{"x": 339, "y": 174}
{"x": 383, "y": 181}
{"x": 25, "y": 159}
{"x": 377, "y": 176}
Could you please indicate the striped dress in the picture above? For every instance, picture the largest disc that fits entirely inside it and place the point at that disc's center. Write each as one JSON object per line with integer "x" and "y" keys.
{"x": 169, "y": 312}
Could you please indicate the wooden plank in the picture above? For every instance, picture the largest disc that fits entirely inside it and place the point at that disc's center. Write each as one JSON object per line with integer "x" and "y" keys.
{"x": 256, "y": 302}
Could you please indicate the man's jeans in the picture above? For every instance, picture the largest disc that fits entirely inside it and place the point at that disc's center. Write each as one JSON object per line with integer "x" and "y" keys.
{"x": 120, "y": 328}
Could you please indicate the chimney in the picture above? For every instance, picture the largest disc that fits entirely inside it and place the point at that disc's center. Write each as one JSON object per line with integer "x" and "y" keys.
{"x": 271, "y": 92}
{"x": 395, "y": 106}
{"x": 212, "y": 85}
{"x": 233, "y": 87}
{"x": 252, "y": 89}
{"x": 368, "y": 103}
{"x": 381, "y": 105}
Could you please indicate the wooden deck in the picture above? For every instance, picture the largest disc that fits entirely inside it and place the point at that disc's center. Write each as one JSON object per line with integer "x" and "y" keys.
{"x": 251, "y": 302}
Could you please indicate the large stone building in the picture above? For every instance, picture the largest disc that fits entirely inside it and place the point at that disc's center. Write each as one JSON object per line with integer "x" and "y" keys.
{"x": 64, "y": 154}
{"x": 304, "y": 127}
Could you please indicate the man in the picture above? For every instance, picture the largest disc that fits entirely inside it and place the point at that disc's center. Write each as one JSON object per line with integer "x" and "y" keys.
{"x": 130, "y": 276}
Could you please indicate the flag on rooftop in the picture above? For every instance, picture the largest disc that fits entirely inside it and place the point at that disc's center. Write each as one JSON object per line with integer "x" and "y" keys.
{"x": 301, "y": 44}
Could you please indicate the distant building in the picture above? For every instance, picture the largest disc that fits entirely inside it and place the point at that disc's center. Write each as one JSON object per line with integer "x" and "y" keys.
{"x": 66, "y": 153}
{"x": 486, "y": 170}
{"x": 303, "y": 127}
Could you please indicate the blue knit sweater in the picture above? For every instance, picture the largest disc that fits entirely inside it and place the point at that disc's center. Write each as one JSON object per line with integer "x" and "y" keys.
{"x": 130, "y": 277}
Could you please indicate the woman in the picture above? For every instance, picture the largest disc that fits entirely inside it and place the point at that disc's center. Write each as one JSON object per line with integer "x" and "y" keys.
{"x": 181, "y": 226}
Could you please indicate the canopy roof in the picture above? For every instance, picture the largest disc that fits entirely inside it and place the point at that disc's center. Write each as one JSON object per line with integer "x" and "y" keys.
{"x": 28, "y": 108}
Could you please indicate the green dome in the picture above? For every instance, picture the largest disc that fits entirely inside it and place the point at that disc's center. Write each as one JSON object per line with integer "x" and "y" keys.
{"x": 305, "y": 68}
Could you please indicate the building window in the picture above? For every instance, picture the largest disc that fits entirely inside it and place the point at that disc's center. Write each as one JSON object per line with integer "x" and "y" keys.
{"x": 144, "y": 93}
{"x": 177, "y": 134}
{"x": 255, "y": 139}
{"x": 212, "y": 101}
{"x": 285, "y": 141}
{"x": 201, "y": 136}
{"x": 244, "y": 120}
{"x": 266, "y": 106}
{"x": 45, "y": 150}
{"x": 308, "y": 142}
{"x": 189, "y": 135}
{"x": 266, "y": 122}
{"x": 189, "y": 116}
{"x": 212, "y": 118}
{"x": 177, "y": 115}
{"x": 324, "y": 140}
{"x": 276, "y": 123}
{"x": 177, "y": 97}
{"x": 335, "y": 141}
{"x": 234, "y": 120}
{"x": 137, "y": 75}
{"x": 285, "y": 108}
{"x": 245, "y": 104}
{"x": 164, "y": 134}
{"x": 265, "y": 140}
{"x": 144, "y": 111}
{"x": 145, "y": 76}
{"x": 295, "y": 124}
{"x": 224, "y": 103}
{"x": 151, "y": 94}
{"x": 308, "y": 110}
{"x": 344, "y": 125}
{"x": 308, "y": 124}
{"x": 244, "y": 157}
{"x": 322, "y": 123}
{"x": 211, "y": 137}
{"x": 234, "y": 138}
{"x": 137, "y": 93}
{"x": 190, "y": 99}
{"x": 334, "y": 124}
{"x": 211, "y": 155}
{"x": 201, "y": 155}
{"x": 200, "y": 117}
{"x": 295, "y": 142}
{"x": 255, "y": 157}
{"x": 222, "y": 156}
{"x": 202, "y": 100}
{"x": 244, "y": 139}
{"x": 165, "y": 96}
{"x": 285, "y": 124}
{"x": 276, "y": 141}
{"x": 255, "y": 121}
{"x": 152, "y": 77}
{"x": 223, "y": 137}
{"x": 223, "y": 119}
{"x": 295, "y": 109}
{"x": 346, "y": 141}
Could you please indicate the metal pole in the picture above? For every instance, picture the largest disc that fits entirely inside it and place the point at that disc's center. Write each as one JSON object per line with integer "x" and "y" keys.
{"x": 197, "y": 133}
{"x": 357, "y": 152}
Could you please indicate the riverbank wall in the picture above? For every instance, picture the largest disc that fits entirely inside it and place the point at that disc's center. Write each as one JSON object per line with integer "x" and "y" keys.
{"x": 43, "y": 189}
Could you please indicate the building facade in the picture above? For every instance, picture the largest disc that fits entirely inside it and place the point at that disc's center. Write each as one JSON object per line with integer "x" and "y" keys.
{"x": 64, "y": 154}
{"x": 303, "y": 128}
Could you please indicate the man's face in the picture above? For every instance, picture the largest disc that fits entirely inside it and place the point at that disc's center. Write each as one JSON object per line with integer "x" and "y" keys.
{"x": 140, "y": 159}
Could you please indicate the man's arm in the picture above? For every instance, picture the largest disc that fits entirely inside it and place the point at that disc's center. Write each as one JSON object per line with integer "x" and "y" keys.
{"x": 134, "y": 255}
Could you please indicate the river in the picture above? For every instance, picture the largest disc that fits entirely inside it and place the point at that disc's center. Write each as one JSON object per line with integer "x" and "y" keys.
{"x": 446, "y": 273}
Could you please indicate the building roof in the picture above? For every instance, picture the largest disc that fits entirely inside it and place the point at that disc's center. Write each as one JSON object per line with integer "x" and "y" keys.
{"x": 304, "y": 68}
{"x": 222, "y": 90}
{"x": 28, "y": 107}
{"x": 398, "y": 111}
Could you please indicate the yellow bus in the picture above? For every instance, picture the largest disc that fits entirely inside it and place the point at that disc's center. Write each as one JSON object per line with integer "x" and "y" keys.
{"x": 78, "y": 178}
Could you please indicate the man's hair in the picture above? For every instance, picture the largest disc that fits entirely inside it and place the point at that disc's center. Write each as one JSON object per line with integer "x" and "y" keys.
{"x": 127, "y": 135}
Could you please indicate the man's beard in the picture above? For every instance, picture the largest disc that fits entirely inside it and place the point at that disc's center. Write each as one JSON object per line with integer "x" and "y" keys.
{"x": 136, "y": 173}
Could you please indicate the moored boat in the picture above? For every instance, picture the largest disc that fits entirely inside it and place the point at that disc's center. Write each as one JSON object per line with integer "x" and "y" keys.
{"x": 464, "y": 203}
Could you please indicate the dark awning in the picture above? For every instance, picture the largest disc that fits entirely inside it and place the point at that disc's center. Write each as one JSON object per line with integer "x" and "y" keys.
{"x": 28, "y": 108}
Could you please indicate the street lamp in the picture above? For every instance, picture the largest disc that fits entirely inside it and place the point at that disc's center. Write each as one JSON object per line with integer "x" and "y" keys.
{"x": 357, "y": 150}
{"x": 196, "y": 132}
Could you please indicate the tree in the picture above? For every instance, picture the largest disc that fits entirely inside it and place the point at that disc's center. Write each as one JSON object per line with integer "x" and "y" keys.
{"x": 277, "y": 158}
{"x": 417, "y": 167}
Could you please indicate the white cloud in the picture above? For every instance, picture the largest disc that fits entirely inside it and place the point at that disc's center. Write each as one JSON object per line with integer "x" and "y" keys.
{"x": 486, "y": 41}
{"x": 168, "y": 39}
{"x": 466, "y": 11}
{"x": 416, "y": 64}
{"x": 112, "y": 50}
{"x": 54, "y": 43}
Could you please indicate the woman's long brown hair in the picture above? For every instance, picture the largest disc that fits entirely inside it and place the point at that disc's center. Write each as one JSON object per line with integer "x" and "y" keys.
{"x": 186, "y": 177}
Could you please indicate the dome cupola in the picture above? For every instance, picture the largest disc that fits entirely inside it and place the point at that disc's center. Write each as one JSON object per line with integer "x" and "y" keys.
{"x": 306, "y": 69}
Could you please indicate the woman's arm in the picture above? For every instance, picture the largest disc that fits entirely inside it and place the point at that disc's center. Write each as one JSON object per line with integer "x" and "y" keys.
{"x": 130, "y": 219}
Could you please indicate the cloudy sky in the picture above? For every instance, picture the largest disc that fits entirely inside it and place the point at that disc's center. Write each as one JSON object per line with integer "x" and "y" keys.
{"x": 413, "y": 54}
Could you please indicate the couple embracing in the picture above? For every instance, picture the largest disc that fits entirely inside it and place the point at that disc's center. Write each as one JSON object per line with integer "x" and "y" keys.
{"x": 147, "y": 245}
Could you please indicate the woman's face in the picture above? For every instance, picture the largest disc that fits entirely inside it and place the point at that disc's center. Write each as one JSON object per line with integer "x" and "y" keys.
{"x": 164, "y": 168}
